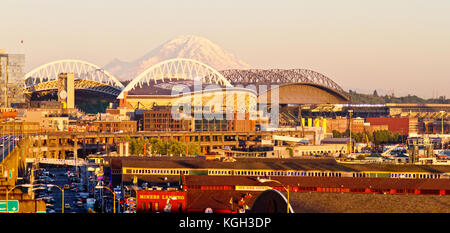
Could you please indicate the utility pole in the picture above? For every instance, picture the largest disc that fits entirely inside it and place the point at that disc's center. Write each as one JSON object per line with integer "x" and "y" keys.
{"x": 6, "y": 82}
{"x": 442, "y": 129}
{"x": 1, "y": 69}
{"x": 350, "y": 112}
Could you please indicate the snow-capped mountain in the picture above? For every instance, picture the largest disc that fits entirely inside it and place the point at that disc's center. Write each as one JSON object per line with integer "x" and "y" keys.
{"x": 185, "y": 46}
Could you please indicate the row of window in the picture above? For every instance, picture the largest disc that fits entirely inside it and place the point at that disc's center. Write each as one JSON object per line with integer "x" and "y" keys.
{"x": 276, "y": 173}
{"x": 286, "y": 173}
{"x": 156, "y": 172}
{"x": 219, "y": 172}
{"x": 420, "y": 176}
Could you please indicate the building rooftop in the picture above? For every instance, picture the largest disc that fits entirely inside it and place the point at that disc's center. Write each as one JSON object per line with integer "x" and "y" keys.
{"x": 308, "y": 163}
{"x": 218, "y": 200}
{"x": 336, "y": 141}
{"x": 368, "y": 203}
{"x": 324, "y": 182}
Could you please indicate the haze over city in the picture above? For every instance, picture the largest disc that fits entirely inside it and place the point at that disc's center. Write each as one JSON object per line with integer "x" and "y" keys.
{"x": 240, "y": 107}
{"x": 357, "y": 44}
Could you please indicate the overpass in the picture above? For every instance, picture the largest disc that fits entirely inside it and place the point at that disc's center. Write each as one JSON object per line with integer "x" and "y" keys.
{"x": 60, "y": 144}
{"x": 52, "y": 161}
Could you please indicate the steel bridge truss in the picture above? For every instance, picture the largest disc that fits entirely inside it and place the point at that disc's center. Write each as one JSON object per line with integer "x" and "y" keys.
{"x": 279, "y": 76}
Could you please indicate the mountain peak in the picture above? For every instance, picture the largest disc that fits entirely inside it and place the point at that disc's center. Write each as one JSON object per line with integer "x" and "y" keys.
{"x": 182, "y": 46}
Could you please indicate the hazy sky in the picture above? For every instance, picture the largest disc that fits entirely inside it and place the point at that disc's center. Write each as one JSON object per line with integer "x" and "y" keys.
{"x": 400, "y": 45}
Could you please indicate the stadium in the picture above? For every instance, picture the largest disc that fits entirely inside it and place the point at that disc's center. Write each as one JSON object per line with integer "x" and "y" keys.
{"x": 186, "y": 81}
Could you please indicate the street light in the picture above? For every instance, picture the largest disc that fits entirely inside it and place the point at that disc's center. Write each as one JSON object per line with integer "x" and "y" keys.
{"x": 62, "y": 190}
{"x": 442, "y": 128}
{"x": 3, "y": 140}
{"x": 263, "y": 180}
{"x": 114, "y": 195}
{"x": 7, "y": 192}
{"x": 350, "y": 112}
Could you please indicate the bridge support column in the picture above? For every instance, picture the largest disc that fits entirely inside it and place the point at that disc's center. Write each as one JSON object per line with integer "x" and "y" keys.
{"x": 75, "y": 153}
{"x": 62, "y": 154}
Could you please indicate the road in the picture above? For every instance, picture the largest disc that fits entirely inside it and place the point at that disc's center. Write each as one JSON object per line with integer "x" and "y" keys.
{"x": 70, "y": 195}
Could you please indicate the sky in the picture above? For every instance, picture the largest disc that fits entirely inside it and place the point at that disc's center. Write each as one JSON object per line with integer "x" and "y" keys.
{"x": 400, "y": 46}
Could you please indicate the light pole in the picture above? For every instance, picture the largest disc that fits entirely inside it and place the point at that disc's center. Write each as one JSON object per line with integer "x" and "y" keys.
{"x": 3, "y": 140}
{"x": 7, "y": 192}
{"x": 350, "y": 112}
{"x": 114, "y": 196}
{"x": 62, "y": 191}
{"x": 262, "y": 180}
{"x": 9, "y": 137}
{"x": 442, "y": 129}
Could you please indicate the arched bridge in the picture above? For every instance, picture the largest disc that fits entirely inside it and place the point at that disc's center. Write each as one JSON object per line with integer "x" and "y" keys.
{"x": 88, "y": 77}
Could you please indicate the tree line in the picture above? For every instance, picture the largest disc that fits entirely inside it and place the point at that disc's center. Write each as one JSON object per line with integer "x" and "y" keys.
{"x": 375, "y": 98}
{"x": 138, "y": 146}
{"x": 377, "y": 137}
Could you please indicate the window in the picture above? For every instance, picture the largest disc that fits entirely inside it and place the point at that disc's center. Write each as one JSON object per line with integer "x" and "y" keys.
{"x": 156, "y": 206}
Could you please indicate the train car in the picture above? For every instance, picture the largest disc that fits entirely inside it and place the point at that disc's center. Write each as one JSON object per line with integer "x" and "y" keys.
{"x": 297, "y": 173}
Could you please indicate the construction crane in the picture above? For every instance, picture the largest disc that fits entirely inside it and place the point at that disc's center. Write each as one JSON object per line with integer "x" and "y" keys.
{"x": 387, "y": 152}
{"x": 368, "y": 143}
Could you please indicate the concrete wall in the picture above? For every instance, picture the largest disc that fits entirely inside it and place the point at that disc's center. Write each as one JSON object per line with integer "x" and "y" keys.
{"x": 331, "y": 149}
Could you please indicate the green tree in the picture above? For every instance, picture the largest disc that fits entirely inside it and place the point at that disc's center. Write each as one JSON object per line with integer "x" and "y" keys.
{"x": 337, "y": 134}
{"x": 159, "y": 147}
{"x": 137, "y": 145}
{"x": 291, "y": 152}
{"x": 194, "y": 148}
{"x": 176, "y": 148}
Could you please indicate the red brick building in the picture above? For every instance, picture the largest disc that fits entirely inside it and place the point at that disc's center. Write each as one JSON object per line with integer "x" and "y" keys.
{"x": 401, "y": 125}
{"x": 358, "y": 125}
{"x": 160, "y": 119}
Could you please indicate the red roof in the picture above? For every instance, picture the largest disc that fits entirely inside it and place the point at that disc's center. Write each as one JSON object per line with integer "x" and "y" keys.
{"x": 324, "y": 182}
